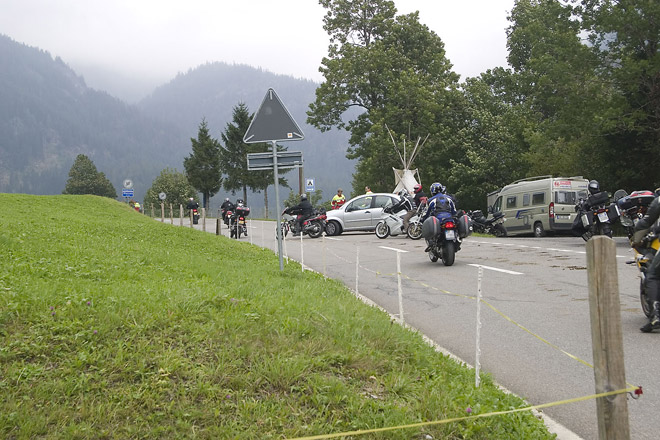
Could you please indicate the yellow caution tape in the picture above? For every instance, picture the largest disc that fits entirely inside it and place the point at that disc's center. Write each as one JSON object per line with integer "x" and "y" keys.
{"x": 472, "y": 417}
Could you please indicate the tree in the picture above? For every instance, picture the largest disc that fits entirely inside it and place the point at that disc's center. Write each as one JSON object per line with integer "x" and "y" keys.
{"x": 176, "y": 187}
{"x": 233, "y": 158}
{"x": 393, "y": 70}
{"x": 203, "y": 165}
{"x": 84, "y": 178}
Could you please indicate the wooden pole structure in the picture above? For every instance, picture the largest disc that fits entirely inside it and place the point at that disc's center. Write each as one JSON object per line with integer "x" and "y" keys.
{"x": 180, "y": 215}
{"x": 153, "y": 214}
{"x": 204, "y": 219}
{"x": 607, "y": 338}
{"x": 162, "y": 212}
{"x": 171, "y": 215}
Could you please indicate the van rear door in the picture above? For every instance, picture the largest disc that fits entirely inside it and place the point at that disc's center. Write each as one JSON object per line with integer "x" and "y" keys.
{"x": 566, "y": 194}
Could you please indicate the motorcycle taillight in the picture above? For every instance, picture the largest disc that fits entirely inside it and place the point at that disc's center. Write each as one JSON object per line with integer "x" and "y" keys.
{"x": 450, "y": 225}
{"x": 551, "y": 210}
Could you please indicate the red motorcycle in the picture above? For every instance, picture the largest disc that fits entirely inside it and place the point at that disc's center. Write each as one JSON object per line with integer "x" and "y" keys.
{"x": 313, "y": 226}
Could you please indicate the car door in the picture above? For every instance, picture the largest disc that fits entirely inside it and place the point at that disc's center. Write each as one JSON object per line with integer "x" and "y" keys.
{"x": 357, "y": 214}
{"x": 380, "y": 201}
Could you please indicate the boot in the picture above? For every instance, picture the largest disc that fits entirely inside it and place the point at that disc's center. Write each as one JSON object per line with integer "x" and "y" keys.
{"x": 654, "y": 320}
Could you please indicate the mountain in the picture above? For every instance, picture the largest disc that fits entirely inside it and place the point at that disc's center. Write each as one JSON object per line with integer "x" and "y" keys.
{"x": 48, "y": 115}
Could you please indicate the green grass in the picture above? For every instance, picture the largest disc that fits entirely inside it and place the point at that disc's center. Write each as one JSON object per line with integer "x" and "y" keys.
{"x": 113, "y": 325}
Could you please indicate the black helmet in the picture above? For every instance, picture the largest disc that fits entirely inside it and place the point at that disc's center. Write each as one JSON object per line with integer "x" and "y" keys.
{"x": 594, "y": 187}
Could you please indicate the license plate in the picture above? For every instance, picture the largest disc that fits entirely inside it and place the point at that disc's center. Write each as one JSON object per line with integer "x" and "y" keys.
{"x": 242, "y": 222}
{"x": 450, "y": 234}
{"x": 602, "y": 216}
{"x": 563, "y": 216}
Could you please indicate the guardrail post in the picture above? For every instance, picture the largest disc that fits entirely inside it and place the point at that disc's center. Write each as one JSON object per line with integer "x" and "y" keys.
{"x": 607, "y": 338}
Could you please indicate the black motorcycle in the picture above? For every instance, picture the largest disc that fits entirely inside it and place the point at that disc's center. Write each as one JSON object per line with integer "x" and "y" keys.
{"x": 596, "y": 215}
{"x": 484, "y": 225}
{"x": 443, "y": 239}
{"x": 312, "y": 226}
{"x": 237, "y": 223}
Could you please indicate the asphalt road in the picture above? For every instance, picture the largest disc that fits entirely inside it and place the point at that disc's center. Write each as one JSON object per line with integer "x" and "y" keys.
{"x": 535, "y": 334}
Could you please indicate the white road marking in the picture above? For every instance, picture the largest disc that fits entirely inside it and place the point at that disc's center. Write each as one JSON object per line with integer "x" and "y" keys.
{"x": 333, "y": 238}
{"x": 392, "y": 249}
{"x": 511, "y": 272}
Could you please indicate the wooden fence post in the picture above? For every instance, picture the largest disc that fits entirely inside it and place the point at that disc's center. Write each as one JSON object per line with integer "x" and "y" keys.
{"x": 171, "y": 215}
{"x": 162, "y": 212}
{"x": 204, "y": 219}
{"x": 180, "y": 215}
{"x": 153, "y": 214}
{"x": 607, "y": 338}
{"x": 217, "y": 223}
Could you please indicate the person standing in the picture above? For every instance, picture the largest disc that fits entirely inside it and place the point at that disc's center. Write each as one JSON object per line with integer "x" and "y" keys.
{"x": 367, "y": 190}
{"x": 338, "y": 200}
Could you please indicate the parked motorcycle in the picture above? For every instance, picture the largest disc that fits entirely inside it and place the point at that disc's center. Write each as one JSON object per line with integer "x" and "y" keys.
{"x": 415, "y": 225}
{"x": 237, "y": 223}
{"x": 313, "y": 226}
{"x": 484, "y": 225}
{"x": 596, "y": 215}
{"x": 633, "y": 207}
{"x": 390, "y": 223}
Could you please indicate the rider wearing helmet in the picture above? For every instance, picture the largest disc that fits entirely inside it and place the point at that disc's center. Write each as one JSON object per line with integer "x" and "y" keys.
{"x": 192, "y": 204}
{"x": 304, "y": 210}
{"x": 226, "y": 206}
{"x": 594, "y": 187}
{"x": 643, "y": 226}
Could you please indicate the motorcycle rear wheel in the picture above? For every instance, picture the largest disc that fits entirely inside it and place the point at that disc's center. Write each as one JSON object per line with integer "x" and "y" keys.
{"x": 382, "y": 230}
{"x": 499, "y": 231}
{"x": 414, "y": 231}
{"x": 448, "y": 253}
{"x": 316, "y": 230}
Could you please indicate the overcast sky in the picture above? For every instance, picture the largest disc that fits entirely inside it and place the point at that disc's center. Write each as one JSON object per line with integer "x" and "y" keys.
{"x": 159, "y": 38}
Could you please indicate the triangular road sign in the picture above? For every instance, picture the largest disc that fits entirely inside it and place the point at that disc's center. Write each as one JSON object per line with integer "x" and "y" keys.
{"x": 272, "y": 123}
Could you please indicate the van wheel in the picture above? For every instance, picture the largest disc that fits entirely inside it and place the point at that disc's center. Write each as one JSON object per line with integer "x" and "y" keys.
{"x": 538, "y": 230}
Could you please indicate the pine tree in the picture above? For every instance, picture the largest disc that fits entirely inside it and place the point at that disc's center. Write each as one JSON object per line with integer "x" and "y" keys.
{"x": 203, "y": 165}
{"x": 84, "y": 178}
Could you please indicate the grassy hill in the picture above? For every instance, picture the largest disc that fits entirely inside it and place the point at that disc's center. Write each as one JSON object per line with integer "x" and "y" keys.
{"x": 113, "y": 325}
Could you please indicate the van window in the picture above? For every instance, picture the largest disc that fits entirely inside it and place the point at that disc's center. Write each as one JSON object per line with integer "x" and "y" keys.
{"x": 497, "y": 206}
{"x": 538, "y": 198}
{"x": 565, "y": 197}
{"x": 525, "y": 199}
{"x": 511, "y": 202}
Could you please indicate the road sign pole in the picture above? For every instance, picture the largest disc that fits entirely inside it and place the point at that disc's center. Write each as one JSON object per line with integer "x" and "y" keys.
{"x": 277, "y": 207}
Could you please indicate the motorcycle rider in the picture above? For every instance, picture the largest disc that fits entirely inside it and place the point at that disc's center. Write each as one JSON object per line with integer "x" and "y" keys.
{"x": 418, "y": 199}
{"x": 643, "y": 226}
{"x": 406, "y": 202}
{"x": 192, "y": 204}
{"x": 304, "y": 210}
{"x": 578, "y": 228}
{"x": 441, "y": 205}
{"x": 226, "y": 206}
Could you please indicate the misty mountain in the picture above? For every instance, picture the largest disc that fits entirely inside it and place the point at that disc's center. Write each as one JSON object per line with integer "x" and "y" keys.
{"x": 48, "y": 115}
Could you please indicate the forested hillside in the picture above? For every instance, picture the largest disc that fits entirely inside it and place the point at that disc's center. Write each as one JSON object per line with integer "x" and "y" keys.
{"x": 48, "y": 116}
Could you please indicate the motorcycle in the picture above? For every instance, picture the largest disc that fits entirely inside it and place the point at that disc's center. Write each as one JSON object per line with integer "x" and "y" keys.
{"x": 415, "y": 227}
{"x": 390, "y": 223}
{"x": 442, "y": 237}
{"x": 313, "y": 226}
{"x": 633, "y": 207}
{"x": 195, "y": 216}
{"x": 237, "y": 222}
{"x": 595, "y": 216}
{"x": 484, "y": 225}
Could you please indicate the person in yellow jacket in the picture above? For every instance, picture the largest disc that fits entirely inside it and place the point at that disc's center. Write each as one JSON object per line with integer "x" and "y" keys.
{"x": 338, "y": 200}
{"x": 137, "y": 206}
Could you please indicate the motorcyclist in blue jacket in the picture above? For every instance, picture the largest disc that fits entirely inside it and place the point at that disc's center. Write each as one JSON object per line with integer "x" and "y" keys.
{"x": 441, "y": 205}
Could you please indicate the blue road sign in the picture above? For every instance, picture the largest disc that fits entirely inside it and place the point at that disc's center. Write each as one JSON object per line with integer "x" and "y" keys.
{"x": 127, "y": 192}
{"x": 309, "y": 185}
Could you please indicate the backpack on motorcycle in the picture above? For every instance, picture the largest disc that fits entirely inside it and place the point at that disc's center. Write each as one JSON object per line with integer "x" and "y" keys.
{"x": 464, "y": 225}
{"x": 598, "y": 199}
{"x": 431, "y": 227}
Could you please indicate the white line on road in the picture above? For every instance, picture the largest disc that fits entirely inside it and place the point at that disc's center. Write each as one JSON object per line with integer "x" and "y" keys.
{"x": 332, "y": 238}
{"x": 392, "y": 249}
{"x": 511, "y": 272}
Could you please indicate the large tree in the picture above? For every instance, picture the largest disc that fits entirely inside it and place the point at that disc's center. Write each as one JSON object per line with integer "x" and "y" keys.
{"x": 393, "y": 71}
{"x": 176, "y": 187}
{"x": 203, "y": 164}
{"x": 233, "y": 158}
{"x": 84, "y": 178}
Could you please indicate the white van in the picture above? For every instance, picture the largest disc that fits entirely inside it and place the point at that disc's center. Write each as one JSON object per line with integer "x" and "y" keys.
{"x": 540, "y": 204}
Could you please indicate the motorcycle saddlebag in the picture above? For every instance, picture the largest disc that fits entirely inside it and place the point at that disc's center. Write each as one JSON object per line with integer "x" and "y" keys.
{"x": 431, "y": 227}
{"x": 464, "y": 226}
{"x": 243, "y": 211}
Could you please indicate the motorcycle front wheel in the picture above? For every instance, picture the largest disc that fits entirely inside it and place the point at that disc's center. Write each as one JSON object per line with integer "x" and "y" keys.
{"x": 448, "y": 253}
{"x": 382, "y": 230}
{"x": 647, "y": 308}
{"x": 414, "y": 231}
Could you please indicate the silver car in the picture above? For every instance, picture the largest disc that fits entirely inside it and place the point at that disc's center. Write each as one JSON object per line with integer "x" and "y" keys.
{"x": 359, "y": 214}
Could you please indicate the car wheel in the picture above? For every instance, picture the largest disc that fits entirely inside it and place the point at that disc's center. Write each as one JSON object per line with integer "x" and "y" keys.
{"x": 538, "y": 230}
{"x": 332, "y": 228}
